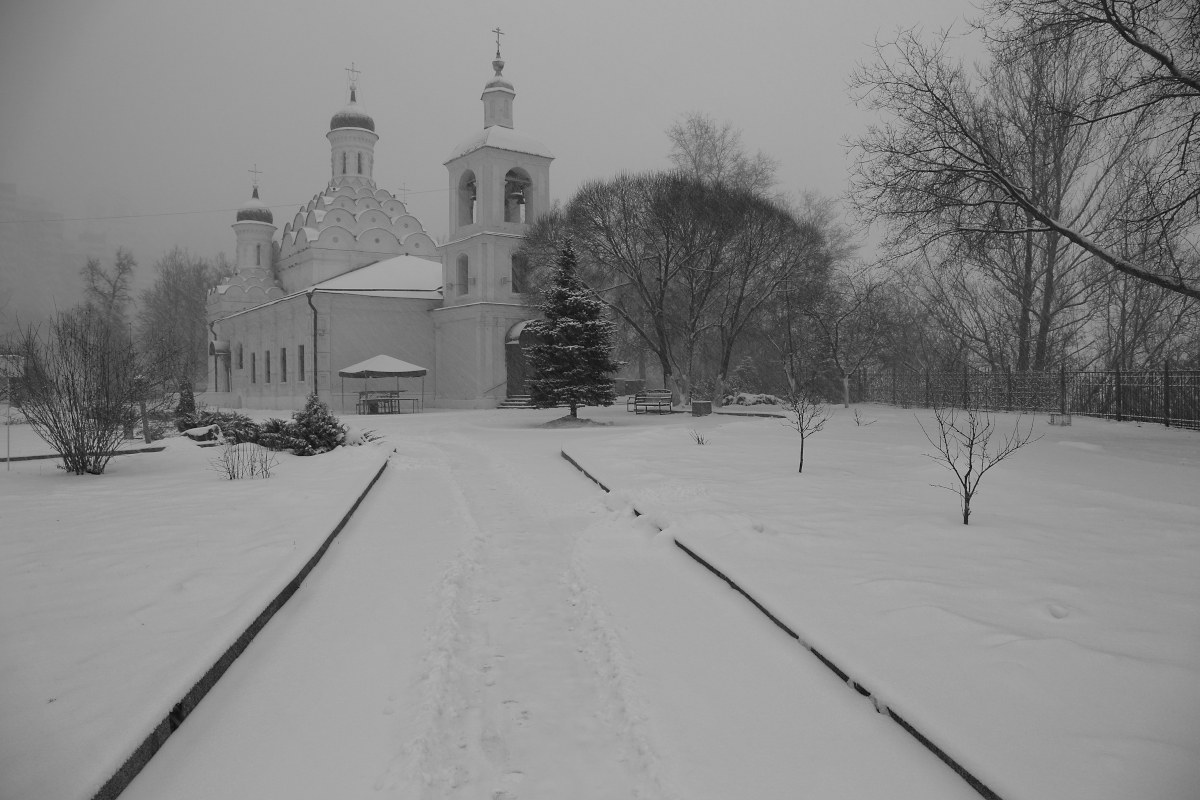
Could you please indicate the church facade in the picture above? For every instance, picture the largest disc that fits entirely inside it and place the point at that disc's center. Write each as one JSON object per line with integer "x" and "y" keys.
{"x": 353, "y": 275}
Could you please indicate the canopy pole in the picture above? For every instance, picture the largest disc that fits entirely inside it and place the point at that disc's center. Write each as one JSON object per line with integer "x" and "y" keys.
{"x": 343, "y": 395}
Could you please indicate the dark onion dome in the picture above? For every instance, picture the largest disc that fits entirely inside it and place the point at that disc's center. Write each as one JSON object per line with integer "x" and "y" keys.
{"x": 255, "y": 210}
{"x": 352, "y": 116}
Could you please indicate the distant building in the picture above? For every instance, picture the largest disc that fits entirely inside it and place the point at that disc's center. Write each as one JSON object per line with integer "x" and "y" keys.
{"x": 353, "y": 275}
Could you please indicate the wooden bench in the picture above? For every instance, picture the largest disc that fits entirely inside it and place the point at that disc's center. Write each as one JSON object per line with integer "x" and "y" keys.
{"x": 644, "y": 402}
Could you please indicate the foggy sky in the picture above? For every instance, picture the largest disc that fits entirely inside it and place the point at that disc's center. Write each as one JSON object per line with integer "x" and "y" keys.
{"x": 143, "y": 107}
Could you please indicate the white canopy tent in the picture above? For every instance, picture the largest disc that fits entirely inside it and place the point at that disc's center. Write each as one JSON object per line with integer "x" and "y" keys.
{"x": 382, "y": 366}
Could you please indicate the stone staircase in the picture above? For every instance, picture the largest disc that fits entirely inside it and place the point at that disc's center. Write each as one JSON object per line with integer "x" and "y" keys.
{"x": 516, "y": 401}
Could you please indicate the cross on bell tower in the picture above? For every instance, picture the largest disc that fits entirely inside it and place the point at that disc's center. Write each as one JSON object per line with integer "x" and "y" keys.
{"x": 498, "y": 33}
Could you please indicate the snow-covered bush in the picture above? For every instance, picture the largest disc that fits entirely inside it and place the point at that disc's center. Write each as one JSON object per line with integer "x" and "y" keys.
{"x": 357, "y": 436}
{"x": 751, "y": 399}
{"x": 245, "y": 460}
{"x": 235, "y": 427}
{"x": 311, "y": 431}
{"x": 279, "y": 434}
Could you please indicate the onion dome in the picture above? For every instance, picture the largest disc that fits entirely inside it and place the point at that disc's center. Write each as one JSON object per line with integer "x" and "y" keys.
{"x": 254, "y": 210}
{"x": 352, "y": 116}
{"x": 499, "y": 81}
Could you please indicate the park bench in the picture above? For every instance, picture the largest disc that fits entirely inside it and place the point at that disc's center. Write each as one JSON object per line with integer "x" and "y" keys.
{"x": 657, "y": 400}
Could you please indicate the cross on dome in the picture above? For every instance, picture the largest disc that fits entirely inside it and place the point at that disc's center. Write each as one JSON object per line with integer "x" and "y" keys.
{"x": 256, "y": 172}
{"x": 498, "y": 33}
{"x": 353, "y": 73}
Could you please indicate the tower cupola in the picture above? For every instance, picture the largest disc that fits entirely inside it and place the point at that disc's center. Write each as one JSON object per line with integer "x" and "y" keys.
{"x": 498, "y": 97}
{"x": 352, "y": 115}
{"x": 352, "y": 139}
{"x": 255, "y": 210}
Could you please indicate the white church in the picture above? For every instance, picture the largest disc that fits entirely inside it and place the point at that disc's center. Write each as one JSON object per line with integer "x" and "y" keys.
{"x": 353, "y": 275}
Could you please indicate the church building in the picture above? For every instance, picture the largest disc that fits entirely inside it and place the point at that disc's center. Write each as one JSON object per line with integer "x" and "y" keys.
{"x": 353, "y": 275}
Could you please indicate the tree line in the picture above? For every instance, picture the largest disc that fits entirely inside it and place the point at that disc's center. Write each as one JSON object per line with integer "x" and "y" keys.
{"x": 1037, "y": 211}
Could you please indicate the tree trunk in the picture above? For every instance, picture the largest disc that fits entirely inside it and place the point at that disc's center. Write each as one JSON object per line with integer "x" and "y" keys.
{"x": 573, "y": 414}
{"x": 801, "y": 470}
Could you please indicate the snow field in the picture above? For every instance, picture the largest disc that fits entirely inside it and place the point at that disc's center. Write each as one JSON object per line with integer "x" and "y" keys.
{"x": 538, "y": 641}
{"x": 1052, "y": 647}
{"x": 119, "y": 591}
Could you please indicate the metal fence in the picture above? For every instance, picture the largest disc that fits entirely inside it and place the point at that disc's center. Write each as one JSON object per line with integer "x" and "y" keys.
{"x": 1165, "y": 396}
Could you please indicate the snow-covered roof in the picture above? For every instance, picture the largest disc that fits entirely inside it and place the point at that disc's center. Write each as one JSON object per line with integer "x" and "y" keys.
{"x": 382, "y": 367}
{"x": 502, "y": 138}
{"x": 399, "y": 276}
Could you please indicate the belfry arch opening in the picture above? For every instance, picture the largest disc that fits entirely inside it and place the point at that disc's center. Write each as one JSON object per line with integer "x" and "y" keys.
{"x": 517, "y": 193}
{"x": 466, "y": 198}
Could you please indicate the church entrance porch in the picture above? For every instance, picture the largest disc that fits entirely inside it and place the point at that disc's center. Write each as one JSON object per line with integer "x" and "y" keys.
{"x": 515, "y": 362}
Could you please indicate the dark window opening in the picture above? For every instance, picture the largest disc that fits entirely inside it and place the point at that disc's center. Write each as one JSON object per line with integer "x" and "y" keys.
{"x": 267, "y": 367}
{"x": 283, "y": 365}
{"x": 343, "y": 163}
{"x": 464, "y": 273}
{"x": 241, "y": 358}
{"x": 360, "y": 163}
{"x": 300, "y": 360}
{"x": 520, "y": 273}
{"x": 466, "y": 199}
{"x": 254, "y": 367}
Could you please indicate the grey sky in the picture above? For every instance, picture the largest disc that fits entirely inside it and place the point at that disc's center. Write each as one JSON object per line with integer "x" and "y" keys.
{"x": 144, "y": 107}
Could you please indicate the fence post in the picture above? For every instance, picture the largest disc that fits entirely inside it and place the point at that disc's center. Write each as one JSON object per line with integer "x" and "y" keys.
{"x": 1167, "y": 392}
{"x": 1120, "y": 417}
{"x": 1062, "y": 389}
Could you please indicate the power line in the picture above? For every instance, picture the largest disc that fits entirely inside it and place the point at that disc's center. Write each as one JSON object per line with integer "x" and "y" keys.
{"x": 176, "y": 213}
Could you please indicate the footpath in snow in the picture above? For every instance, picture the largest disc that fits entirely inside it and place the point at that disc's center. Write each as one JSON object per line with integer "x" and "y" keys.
{"x": 491, "y": 625}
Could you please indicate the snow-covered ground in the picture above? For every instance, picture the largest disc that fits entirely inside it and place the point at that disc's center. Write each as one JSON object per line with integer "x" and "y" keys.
{"x": 1052, "y": 647}
{"x": 118, "y": 591}
{"x": 492, "y": 625}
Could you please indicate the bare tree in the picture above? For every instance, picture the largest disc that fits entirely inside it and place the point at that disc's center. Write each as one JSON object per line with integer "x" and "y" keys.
{"x": 946, "y": 163}
{"x": 808, "y": 414}
{"x": 712, "y": 151}
{"x": 1153, "y": 84}
{"x": 963, "y": 441}
{"x": 80, "y": 385}
{"x": 172, "y": 316}
{"x": 109, "y": 290}
{"x": 850, "y": 321}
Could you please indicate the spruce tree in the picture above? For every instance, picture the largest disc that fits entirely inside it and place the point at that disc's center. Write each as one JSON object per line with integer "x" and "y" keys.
{"x": 572, "y": 358}
{"x": 315, "y": 428}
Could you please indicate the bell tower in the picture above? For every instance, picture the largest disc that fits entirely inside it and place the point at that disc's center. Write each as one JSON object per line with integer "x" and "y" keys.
{"x": 499, "y": 182}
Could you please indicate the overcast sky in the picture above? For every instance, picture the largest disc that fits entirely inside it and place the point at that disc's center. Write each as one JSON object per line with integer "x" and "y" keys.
{"x": 139, "y": 107}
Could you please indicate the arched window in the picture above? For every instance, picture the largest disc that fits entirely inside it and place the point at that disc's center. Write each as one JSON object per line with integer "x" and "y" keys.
{"x": 343, "y": 163}
{"x": 466, "y": 198}
{"x": 258, "y": 255}
{"x": 360, "y": 163}
{"x": 520, "y": 273}
{"x": 464, "y": 274}
{"x": 516, "y": 191}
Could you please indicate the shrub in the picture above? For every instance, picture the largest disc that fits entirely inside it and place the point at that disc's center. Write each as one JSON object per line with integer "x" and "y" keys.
{"x": 279, "y": 434}
{"x": 245, "y": 460}
{"x": 317, "y": 429}
{"x": 80, "y": 387}
{"x": 185, "y": 412}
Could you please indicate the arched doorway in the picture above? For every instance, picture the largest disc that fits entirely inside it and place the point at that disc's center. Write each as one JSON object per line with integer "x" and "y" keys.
{"x": 517, "y": 366}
